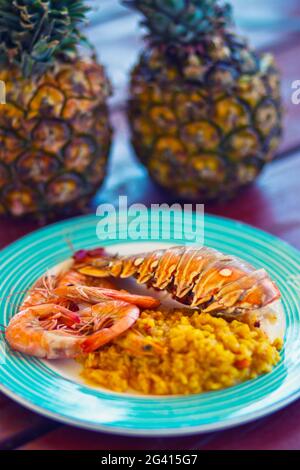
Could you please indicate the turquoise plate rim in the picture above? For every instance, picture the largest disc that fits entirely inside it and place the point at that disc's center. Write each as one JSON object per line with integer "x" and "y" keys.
{"x": 163, "y": 431}
{"x": 143, "y": 432}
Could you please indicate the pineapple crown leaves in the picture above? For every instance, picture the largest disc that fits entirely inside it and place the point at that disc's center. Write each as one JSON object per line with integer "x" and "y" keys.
{"x": 182, "y": 21}
{"x": 35, "y": 32}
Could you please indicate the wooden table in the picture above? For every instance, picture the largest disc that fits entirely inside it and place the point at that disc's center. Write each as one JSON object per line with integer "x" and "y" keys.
{"x": 272, "y": 204}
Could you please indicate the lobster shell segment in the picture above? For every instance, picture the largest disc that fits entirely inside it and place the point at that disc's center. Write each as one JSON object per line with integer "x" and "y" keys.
{"x": 202, "y": 278}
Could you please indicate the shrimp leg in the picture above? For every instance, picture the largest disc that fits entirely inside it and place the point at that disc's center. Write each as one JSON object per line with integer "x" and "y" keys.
{"x": 118, "y": 315}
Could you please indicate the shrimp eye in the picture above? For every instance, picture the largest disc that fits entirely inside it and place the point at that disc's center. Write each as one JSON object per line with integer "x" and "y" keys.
{"x": 148, "y": 347}
{"x": 73, "y": 306}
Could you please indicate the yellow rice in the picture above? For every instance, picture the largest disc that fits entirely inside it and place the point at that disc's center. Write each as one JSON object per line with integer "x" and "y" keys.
{"x": 201, "y": 353}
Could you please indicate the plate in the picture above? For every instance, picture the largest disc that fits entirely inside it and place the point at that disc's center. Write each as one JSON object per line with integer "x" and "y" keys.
{"x": 54, "y": 389}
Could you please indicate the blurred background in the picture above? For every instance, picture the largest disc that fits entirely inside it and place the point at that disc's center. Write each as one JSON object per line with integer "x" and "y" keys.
{"x": 271, "y": 25}
{"x": 116, "y": 33}
{"x": 271, "y": 203}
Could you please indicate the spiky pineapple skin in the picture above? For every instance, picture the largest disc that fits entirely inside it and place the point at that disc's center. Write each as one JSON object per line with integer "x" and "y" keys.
{"x": 206, "y": 124}
{"x": 55, "y": 138}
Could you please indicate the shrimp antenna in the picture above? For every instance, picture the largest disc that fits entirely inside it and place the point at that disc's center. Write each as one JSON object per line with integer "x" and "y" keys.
{"x": 49, "y": 282}
{"x": 14, "y": 293}
{"x": 69, "y": 243}
{"x": 12, "y": 303}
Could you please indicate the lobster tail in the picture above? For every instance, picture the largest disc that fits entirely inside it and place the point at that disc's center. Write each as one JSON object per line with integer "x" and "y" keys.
{"x": 202, "y": 278}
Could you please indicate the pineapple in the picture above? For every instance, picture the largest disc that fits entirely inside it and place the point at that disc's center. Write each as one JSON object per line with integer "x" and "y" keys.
{"x": 55, "y": 133}
{"x": 204, "y": 108}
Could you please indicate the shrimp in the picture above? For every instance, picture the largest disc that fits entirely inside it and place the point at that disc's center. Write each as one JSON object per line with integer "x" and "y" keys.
{"x": 43, "y": 290}
{"x": 40, "y": 293}
{"x": 116, "y": 318}
{"x": 203, "y": 278}
{"x": 73, "y": 277}
{"x": 96, "y": 295}
{"x": 52, "y": 331}
{"x": 26, "y": 333}
{"x": 137, "y": 344}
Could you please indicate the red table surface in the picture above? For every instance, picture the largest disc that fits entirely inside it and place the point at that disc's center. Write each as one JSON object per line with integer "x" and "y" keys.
{"x": 272, "y": 204}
